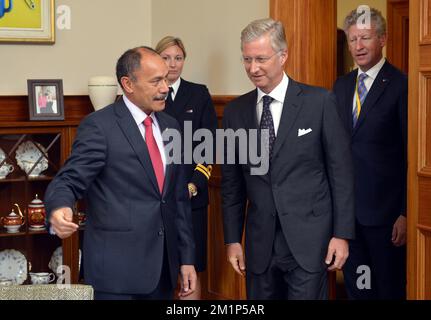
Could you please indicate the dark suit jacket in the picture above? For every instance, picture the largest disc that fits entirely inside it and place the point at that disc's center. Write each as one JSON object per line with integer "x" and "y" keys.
{"x": 193, "y": 103}
{"x": 309, "y": 184}
{"x": 379, "y": 145}
{"x": 128, "y": 220}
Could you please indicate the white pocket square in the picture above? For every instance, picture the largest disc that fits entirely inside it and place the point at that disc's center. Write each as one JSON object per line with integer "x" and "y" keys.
{"x": 302, "y": 132}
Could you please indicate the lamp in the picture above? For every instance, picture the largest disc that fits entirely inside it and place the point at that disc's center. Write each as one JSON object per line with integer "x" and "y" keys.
{"x": 102, "y": 91}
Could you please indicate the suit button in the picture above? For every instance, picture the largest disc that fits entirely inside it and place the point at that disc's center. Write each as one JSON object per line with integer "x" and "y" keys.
{"x": 163, "y": 201}
{"x": 161, "y": 232}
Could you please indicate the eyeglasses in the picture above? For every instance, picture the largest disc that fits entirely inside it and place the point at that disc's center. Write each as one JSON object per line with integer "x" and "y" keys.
{"x": 258, "y": 59}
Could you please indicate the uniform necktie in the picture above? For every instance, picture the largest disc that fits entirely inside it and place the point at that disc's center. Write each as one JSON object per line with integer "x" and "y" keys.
{"x": 361, "y": 94}
{"x": 169, "y": 100}
{"x": 266, "y": 122}
{"x": 155, "y": 156}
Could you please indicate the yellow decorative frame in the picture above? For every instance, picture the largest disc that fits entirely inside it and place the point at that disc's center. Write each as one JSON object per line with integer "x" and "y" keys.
{"x": 44, "y": 34}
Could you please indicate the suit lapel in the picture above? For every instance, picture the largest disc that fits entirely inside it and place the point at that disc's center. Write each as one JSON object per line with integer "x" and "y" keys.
{"x": 181, "y": 99}
{"x": 291, "y": 107}
{"x": 251, "y": 117}
{"x": 376, "y": 90}
{"x": 133, "y": 135}
{"x": 350, "y": 92}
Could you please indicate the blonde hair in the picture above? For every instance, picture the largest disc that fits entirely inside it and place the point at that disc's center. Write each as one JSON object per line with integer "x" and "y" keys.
{"x": 170, "y": 41}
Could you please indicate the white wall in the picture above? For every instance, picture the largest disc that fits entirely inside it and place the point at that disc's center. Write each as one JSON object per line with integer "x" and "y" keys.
{"x": 101, "y": 31}
{"x": 210, "y": 30}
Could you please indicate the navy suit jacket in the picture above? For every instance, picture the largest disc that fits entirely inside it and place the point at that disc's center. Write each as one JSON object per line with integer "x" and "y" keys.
{"x": 128, "y": 221}
{"x": 309, "y": 184}
{"x": 193, "y": 104}
{"x": 379, "y": 145}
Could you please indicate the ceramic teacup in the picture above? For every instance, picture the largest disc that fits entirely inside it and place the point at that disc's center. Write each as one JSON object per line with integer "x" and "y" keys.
{"x": 41, "y": 277}
{"x": 5, "y": 169}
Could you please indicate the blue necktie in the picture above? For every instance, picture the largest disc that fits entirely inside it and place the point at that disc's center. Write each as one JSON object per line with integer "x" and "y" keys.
{"x": 266, "y": 122}
{"x": 361, "y": 94}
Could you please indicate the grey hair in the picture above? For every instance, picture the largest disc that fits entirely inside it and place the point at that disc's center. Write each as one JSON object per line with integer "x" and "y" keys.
{"x": 376, "y": 19}
{"x": 130, "y": 61}
{"x": 258, "y": 28}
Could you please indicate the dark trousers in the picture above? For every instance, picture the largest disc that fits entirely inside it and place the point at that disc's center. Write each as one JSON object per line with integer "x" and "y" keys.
{"x": 163, "y": 291}
{"x": 373, "y": 249}
{"x": 284, "y": 278}
{"x": 200, "y": 233}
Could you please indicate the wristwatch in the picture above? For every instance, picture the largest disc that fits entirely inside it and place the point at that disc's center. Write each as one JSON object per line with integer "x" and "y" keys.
{"x": 192, "y": 188}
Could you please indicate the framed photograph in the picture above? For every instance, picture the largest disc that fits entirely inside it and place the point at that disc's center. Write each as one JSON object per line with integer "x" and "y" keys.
{"x": 45, "y": 99}
{"x": 27, "y": 21}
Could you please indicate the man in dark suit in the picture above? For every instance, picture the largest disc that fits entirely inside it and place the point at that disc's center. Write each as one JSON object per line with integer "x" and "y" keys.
{"x": 300, "y": 213}
{"x": 372, "y": 102}
{"x": 190, "y": 103}
{"x": 138, "y": 228}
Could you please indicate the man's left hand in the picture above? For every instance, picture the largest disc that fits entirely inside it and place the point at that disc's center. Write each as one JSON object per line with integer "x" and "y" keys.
{"x": 399, "y": 231}
{"x": 188, "y": 280}
{"x": 338, "y": 248}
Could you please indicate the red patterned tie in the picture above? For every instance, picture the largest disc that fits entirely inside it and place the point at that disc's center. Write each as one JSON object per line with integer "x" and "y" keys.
{"x": 155, "y": 156}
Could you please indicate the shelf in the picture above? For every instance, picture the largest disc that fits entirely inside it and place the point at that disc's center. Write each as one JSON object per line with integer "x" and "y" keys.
{"x": 55, "y": 139}
{"x": 43, "y": 231}
{"x": 22, "y": 233}
{"x": 16, "y": 234}
{"x": 24, "y": 179}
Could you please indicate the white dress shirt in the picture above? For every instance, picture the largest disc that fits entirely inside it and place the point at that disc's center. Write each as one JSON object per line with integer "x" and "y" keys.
{"x": 175, "y": 86}
{"x": 372, "y": 74}
{"x": 276, "y": 107}
{"x": 139, "y": 116}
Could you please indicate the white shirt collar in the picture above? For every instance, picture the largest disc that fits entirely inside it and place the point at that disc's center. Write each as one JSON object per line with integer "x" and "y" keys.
{"x": 138, "y": 115}
{"x": 278, "y": 93}
{"x": 175, "y": 86}
{"x": 372, "y": 72}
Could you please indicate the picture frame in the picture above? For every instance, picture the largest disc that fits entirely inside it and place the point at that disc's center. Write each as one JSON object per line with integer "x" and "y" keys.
{"x": 27, "y": 21}
{"x": 45, "y": 99}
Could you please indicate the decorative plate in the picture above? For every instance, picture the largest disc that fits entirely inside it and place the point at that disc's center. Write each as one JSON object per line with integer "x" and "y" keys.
{"x": 2, "y": 155}
{"x": 13, "y": 266}
{"x": 27, "y": 155}
{"x": 57, "y": 259}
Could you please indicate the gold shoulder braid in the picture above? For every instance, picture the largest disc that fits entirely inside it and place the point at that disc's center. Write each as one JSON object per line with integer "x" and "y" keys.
{"x": 206, "y": 171}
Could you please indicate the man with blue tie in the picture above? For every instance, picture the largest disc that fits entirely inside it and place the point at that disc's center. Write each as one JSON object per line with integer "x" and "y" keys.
{"x": 372, "y": 102}
{"x": 138, "y": 234}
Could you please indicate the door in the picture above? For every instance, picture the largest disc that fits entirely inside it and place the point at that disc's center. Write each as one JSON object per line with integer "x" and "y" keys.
{"x": 419, "y": 176}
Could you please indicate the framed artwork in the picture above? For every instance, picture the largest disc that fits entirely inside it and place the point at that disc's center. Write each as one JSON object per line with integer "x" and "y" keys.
{"x": 45, "y": 99}
{"x": 27, "y": 21}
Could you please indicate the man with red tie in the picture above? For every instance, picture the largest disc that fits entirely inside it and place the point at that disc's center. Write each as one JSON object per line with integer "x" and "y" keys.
{"x": 138, "y": 234}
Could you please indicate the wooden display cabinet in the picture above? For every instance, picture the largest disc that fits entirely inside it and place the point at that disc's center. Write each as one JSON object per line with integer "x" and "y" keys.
{"x": 54, "y": 139}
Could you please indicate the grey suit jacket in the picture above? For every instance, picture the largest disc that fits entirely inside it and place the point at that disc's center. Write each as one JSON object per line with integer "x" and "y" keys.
{"x": 129, "y": 223}
{"x": 309, "y": 185}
